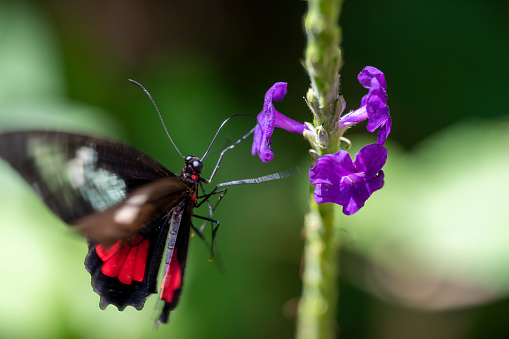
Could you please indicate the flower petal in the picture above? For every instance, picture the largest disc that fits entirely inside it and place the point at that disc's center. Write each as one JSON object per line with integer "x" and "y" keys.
{"x": 330, "y": 168}
{"x": 277, "y": 92}
{"x": 261, "y": 144}
{"x": 384, "y": 131}
{"x": 338, "y": 194}
{"x": 376, "y": 182}
{"x": 358, "y": 196}
{"x": 370, "y": 159}
{"x": 352, "y": 118}
{"x": 266, "y": 121}
{"x": 376, "y": 106}
{"x": 288, "y": 124}
{"x": 270, "y": 118}
{"x": 368, "y": 74}
{"x": 347, "y": 183}
{"x": 376, "y": 102}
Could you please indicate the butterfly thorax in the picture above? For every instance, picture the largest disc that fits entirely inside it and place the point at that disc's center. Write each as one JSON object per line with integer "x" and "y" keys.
{"x": 191, "y": 173}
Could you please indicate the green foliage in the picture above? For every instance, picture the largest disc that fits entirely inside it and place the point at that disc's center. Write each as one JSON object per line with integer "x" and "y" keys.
{"x": 443, "y": 213}
{"x": 440, "y": 218}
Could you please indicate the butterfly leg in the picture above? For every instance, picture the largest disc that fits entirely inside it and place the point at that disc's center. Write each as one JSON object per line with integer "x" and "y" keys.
{"x": 205, "y": 198}
{"x": 223, "y": 191}
{"x": 198, "y": 231}
{"x": 214, "y": 231}
{"x": 208, "y": 204}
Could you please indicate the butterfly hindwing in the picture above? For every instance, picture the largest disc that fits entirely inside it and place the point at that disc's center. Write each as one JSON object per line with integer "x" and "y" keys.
{"x": 125, "y": 274}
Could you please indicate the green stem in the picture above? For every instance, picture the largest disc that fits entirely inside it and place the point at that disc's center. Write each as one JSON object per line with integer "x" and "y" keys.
{"x": 318, "y": 303}
{"x": 323, "y": 62}
{"x": 317, "y": 306}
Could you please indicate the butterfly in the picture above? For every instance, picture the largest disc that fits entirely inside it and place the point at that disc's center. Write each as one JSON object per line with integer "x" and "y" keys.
{"x": 131, "y": 208}
{"x": 124, "y": 202}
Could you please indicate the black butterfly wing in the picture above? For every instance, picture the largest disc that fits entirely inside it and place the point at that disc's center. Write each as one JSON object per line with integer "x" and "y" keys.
{"x": 78, "y": 175}
{"x": 118, "y": 196}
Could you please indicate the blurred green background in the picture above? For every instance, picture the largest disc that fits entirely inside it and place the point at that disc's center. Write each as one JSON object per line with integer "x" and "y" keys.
{"x": 428, "y": 256}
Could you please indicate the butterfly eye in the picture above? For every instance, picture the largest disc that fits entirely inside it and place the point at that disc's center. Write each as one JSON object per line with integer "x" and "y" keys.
{"x": 189, "y": 157}
{"x": 197, "y": 166}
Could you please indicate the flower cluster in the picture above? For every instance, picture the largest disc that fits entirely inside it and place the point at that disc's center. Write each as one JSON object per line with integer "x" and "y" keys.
{"x": 338, "y": 179}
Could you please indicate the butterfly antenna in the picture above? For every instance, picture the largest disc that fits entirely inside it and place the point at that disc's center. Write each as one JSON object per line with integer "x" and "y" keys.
{"x": 270, "y": 177}
{"x": 219, "y": 129}
{"x": 157, "y": 109}
{"x": 228, "y": 148}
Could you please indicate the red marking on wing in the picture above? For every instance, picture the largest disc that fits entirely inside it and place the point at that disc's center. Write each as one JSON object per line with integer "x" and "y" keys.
{"x": 141, "y": 261}
{"x": 106, "y": 253}
{"x": 126, "y": 272}
{"x": 114, "y": 264}
{"x": 172, "y": 279}
{"x": 126, "y": 262}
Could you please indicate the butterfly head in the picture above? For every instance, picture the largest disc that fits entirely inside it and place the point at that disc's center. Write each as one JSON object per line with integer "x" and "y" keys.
{"x": 193, "y": 165}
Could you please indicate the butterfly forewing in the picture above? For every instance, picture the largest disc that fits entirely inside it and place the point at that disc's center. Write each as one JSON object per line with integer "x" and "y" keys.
{"x": 78, "y": 175}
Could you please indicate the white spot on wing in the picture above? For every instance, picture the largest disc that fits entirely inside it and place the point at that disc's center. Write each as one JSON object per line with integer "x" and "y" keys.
{"x": 85, "y": 153}
{"x": 85, "y": 157}
{"x": 100, "y": 187}
{"x": 131, "y": 208}
{"x": 103, "y": 188}
{"x": 75, "y": 175}
{"x": 126, "y": 215}
{"x": 138, "y": 199}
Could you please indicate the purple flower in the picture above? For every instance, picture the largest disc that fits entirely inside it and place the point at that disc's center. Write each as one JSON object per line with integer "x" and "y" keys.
{"x": 373, "y": 105}
{"x": 347, "y": 183}
{"x": 270, "y": 118}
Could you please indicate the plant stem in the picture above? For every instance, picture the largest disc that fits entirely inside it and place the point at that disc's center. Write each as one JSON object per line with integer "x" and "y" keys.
{"x": 317, "y": 306}
{"x": 318, "y": 303}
